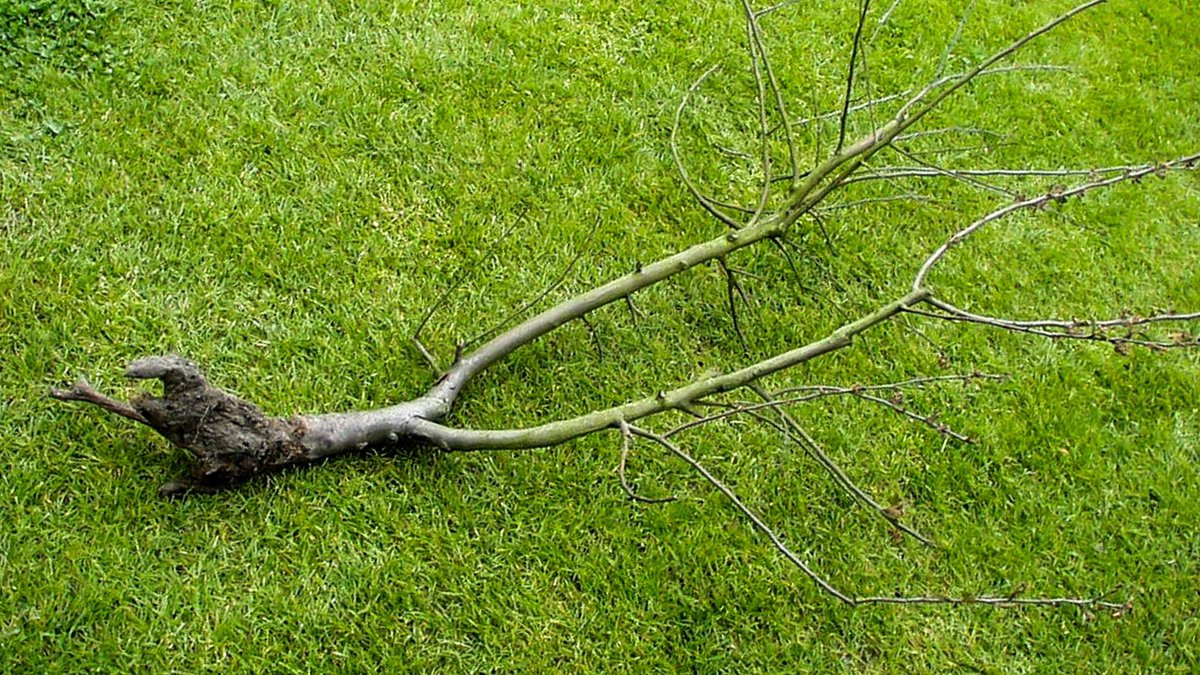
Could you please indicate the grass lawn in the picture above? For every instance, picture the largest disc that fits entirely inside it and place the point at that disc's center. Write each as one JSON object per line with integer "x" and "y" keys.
{"x": 280, "y": 191}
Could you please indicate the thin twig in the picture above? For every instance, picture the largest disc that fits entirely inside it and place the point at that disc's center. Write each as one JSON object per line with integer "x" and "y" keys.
{"x": 948, "y": 130}
{"x": 635, "y": 314}
{"x": 841, "y": 206}
{"x": 893, "y": 172}
{"x": 774, "y": 8}
{"x": 1085, "y": 331}
{"x": 1000, "y": 601}
{"x": 958, "y": 30}
{"x": 883, "y": 19}
{"x": 555, "y": 285}
{"x": 626, "y": 446}
{"x": 760, "y": 97}
{"x": 858, "y": 31}
{"x": 969, "y": 180}
{"x": 1010, "y": 600}
{"x": 594, "y": 335}
{"x": 792, "y": 430}
{"x": 816, "y": 392}
{"x": 824, "y": 232}
{"x": 759, "y": 47}
{"x": 459, "y": 278}
{"x": 960, "y": 149}
{"x": 854, "y": 108}
{"x": 892, "y": 386}
{"x": 746, "y": 511}
{"x": 1181, "y": 163}
{"x": 927, "y": 420}
{"x": 704, "y": 201}
{"x": 780, "y": 243}
{"x": 732, "y": 286}
{"x": 426, "y": 354}
{"x": 731, "y": 152}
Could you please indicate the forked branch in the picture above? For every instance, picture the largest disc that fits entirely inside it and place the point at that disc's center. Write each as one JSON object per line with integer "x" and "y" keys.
{"x": 231, "y": 440}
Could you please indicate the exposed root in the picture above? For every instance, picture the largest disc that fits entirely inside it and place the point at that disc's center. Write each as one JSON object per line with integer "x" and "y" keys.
{"x": 230, "y": 439}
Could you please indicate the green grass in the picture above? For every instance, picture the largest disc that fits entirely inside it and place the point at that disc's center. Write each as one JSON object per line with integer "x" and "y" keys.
{"x": 279, "y": 190}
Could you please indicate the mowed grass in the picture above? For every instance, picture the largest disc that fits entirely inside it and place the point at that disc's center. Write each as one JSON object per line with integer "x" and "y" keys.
{"x": 281, "y": 190}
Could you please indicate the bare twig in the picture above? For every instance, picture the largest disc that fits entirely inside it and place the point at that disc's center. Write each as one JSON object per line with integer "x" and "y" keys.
{"x": 1082, "y": 330}
{"x": 555, "y": 285}
{"x": 841, "y": 206}
{"x": 626, "y": 446}
{"x": 792, "y": 430}
{"x": 894, "y": 172}
{"x": 774, "y": 8}
{"x": 1010, "y": 600}
{"x": 705, "y": 201}
{"x": 997, "y": 601}
{"x": 864, "y": 105}
{"x": 441, "y": 300}
{"x": 964, "y": 178}
{"x": 758, "y": 47}
{"x": 733, "y": 290}
{"x": 593, "y": 335}
{"x": 635, "y": 314}
{"x": 788, "y": 396}
{"x": 883, "y": 19}
{"x": 857, "y": 43}
{"x": 927, "y": 420}
{"x": 1185, "y": 162}
{"x": 430, "y": 359}
{"x": 892, "y": 386}
{"x": 746, "y": 511}
{"x": 926, "y": 133}
{"x": 958, "y": 30}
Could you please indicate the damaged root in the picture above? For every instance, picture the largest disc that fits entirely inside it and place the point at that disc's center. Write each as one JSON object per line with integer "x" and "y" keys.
{"x": 229, "y": 439}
